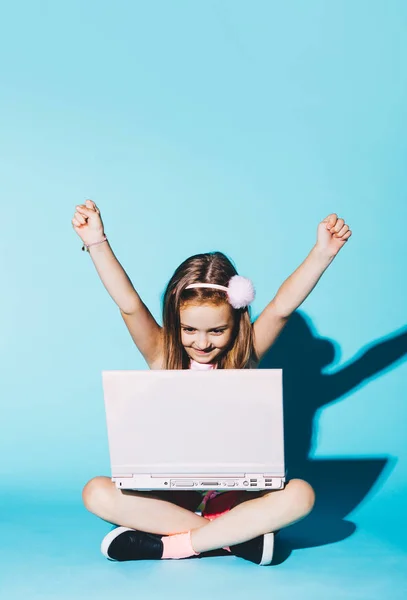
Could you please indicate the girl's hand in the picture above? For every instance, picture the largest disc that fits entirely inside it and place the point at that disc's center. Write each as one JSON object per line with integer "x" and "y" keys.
{"x": 333, "y": 233}
{"x": 88, "y": 223}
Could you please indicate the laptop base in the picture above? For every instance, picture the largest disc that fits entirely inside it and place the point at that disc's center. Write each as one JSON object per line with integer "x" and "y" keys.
{"x": 248, "y": 481}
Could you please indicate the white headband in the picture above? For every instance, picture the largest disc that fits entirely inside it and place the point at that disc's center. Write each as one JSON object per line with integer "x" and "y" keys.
{"x": 240, "y": 290}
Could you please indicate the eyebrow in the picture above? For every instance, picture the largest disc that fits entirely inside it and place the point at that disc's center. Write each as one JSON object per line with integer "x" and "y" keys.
{"x": 211, "y": 329}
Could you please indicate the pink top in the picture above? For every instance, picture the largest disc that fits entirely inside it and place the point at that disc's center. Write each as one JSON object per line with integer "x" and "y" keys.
{"x": 196, "y": 366}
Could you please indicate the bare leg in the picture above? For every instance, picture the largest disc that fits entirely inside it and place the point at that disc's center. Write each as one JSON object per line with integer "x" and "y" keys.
{"x": 270, "y": 512}
{"x": 251, "y": 518}
{"x": 138, "y": 510}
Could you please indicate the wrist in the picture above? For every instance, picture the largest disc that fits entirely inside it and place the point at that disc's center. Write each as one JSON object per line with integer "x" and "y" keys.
{"x": 96, "y": 243}
{"x": 323, "y": 255}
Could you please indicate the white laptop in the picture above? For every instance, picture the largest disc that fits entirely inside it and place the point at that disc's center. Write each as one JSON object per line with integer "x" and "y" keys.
{"x": 195, "y": 430}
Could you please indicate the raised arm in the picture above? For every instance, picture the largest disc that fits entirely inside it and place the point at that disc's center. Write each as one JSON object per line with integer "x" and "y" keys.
{"x": 143, "y": 328}
{"x": 333, "y": 233}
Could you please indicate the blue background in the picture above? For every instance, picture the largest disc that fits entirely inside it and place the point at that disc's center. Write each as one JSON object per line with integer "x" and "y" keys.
{"x": 198, "y": 126}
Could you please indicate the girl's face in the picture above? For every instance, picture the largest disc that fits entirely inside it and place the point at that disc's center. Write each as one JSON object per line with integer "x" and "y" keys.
{"x": 206, "y": 330}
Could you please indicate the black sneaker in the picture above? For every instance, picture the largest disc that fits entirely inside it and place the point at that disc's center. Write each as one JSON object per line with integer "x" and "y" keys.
{"x": 259, "y": 550}
{"x": 123, "y": 543}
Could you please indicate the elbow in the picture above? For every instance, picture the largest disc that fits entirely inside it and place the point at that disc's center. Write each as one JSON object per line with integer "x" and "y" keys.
{"x": 130, "y": 305}
{"x": 128, "y": 310}
{"x": 282, "y": 312}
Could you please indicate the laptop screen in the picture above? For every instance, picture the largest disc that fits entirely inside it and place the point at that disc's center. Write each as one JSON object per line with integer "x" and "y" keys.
{"x": 186, "y": 422}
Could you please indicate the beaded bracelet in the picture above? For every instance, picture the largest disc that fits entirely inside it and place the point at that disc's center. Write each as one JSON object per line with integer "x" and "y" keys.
{"x": 87, "y": 246}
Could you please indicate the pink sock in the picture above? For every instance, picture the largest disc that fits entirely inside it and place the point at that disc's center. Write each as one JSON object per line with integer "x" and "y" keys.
{"x": 178, "y": 546}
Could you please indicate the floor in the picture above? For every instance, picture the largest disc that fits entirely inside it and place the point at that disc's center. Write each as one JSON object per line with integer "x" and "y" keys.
{"x": 50, "y": 549}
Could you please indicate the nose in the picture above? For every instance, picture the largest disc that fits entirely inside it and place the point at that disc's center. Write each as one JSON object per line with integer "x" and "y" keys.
{"x": 202, "y": 342}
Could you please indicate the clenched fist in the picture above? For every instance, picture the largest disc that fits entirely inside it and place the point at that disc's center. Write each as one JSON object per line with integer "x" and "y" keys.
{"x": 88, "y": 223}
{"x": 332, "y": 235}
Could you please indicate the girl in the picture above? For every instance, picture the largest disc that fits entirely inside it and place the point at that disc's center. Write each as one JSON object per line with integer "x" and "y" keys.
{"x": 206, "y": 325}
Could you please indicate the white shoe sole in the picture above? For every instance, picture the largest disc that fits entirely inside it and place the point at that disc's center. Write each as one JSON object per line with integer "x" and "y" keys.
{"x": 108, "y": 539}
{"x": 268, "y": 549}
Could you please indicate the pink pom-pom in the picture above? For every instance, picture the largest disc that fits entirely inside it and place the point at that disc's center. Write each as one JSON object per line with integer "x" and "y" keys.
{"x": 240, "y": 291}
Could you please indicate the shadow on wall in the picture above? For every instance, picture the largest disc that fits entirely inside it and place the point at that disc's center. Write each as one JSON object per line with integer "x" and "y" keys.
{"x": 340, "y": 484}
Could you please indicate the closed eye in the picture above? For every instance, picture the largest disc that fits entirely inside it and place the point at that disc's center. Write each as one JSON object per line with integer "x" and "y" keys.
{"x": 191, "y": 330}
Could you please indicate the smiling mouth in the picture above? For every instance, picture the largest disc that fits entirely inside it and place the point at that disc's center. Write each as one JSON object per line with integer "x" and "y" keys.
{"x": 203, "y": 351}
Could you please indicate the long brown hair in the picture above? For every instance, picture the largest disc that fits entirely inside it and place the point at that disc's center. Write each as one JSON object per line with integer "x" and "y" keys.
{"x": 212, "y": 267}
